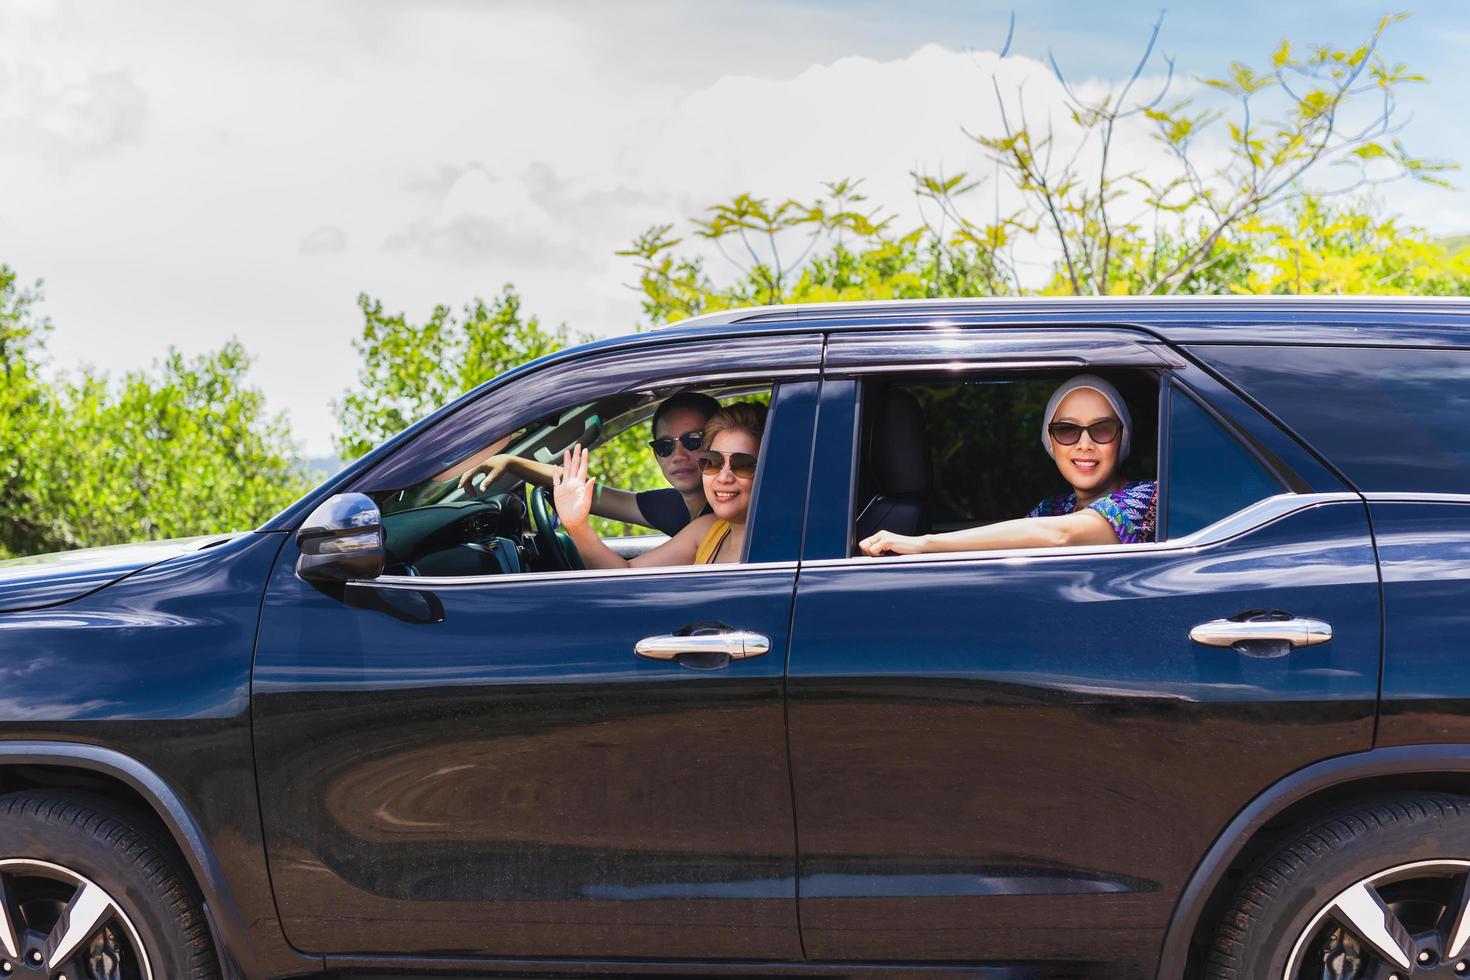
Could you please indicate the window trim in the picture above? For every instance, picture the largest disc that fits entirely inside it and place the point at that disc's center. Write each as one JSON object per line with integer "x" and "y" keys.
{"x": 437, "y": 582}
{"x": 775, "y": 384}
{"x": 1019, "y": 347}
{"x": 1245, "y": 521}
{"x": 783, "y": 357}
{"x": 1171, "y": 385}
{"x": 921, "y": 372}
{"x": 1170, "y": 388}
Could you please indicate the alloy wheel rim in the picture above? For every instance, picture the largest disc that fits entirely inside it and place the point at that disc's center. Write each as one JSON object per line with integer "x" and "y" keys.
{"x": 1409, "y": 920}
{"x": 57, "y": 923}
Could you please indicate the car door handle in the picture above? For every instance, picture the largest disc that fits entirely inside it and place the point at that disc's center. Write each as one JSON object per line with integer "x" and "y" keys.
{"x": 1227, "y": 632}
{"x": 735, "y": 644}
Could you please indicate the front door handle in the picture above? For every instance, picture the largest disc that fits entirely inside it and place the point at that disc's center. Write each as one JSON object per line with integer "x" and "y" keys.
{"x": 735, "y": 644}
{"x": 1296, "y": 632}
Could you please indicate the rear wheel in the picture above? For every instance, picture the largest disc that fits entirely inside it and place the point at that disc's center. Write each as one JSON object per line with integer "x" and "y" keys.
{"x": 1379, "y": 892}
{"x": 87, "y": 894}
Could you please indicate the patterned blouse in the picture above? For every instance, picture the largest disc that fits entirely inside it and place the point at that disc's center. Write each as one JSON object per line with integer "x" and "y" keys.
{"x": 1132, "y": 511}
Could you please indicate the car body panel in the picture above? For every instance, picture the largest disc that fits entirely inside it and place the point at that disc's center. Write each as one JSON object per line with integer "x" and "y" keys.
{"x": 484, "y": 766}
{"x": 156, "y": 668}
{"x": 999, "y": 757}
{"x": 48, "y": 580}
{"x": 1424, "y": 550}
{"x": 1003, "y": 757}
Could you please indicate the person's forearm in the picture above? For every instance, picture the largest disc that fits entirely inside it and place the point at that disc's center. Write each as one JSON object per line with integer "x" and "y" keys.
{"x": 1023, "y": 532}
{"x": 594, "y": 553}
{"x": 531, "y": 471}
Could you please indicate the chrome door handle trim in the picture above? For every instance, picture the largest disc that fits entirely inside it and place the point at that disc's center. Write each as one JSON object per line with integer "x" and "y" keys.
{"x": 735, "y": 644}
{"x": 1228, "y": 632}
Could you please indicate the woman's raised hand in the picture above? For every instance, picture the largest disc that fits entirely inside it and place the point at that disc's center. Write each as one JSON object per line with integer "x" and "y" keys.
{"x": 571, "y": 488}
{"x": 887, "y": 542}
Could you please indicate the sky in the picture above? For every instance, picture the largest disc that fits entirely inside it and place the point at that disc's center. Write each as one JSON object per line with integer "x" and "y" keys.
{"x": 180, "y": 174}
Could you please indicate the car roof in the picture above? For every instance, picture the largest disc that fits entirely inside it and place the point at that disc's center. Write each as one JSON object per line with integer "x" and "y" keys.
{"x": 1407, "y": 320}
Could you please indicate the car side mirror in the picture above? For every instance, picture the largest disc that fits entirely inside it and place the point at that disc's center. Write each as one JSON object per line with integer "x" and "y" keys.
{"x": 342, "y": 540}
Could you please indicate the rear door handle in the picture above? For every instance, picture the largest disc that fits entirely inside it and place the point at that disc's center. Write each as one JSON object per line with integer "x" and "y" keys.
{"x": 1228, "y": 632}
{"x": 735, "y": 644}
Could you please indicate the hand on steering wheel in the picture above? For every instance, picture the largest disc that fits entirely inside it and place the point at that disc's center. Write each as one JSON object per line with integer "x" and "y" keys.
{"x": 553, "y": 545}
{"x": 491, "y": 468}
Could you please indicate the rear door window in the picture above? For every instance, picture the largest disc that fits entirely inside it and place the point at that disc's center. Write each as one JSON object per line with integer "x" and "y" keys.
{"x": 1210, "y": 475}
{"x": 1391, "y": 419}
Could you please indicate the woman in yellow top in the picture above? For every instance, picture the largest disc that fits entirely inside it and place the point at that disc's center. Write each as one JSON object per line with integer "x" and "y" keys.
{"x": 732, "y": 439}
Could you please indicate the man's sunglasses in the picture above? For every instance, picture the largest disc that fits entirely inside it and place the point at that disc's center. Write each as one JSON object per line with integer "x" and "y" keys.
{"x": 1102, "y": 431}
{"x": 712, "y": 461}
{"x": 664, "y": 447}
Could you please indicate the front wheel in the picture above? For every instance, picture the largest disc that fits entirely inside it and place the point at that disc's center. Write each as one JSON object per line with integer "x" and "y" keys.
{"x": 1379, "y": 892}
{"x": 86, "y": 894}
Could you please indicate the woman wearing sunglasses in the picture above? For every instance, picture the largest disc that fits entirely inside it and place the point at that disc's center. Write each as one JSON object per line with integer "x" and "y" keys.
{"x": 678, "y": 432}
{"x": 1086, "y": 431}
{"x": 732, "y": 439}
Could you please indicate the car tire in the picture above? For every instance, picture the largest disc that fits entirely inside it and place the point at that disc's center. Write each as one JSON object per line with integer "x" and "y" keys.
{"x": 133, "y": 911}
{"x": 1318, "y": 904}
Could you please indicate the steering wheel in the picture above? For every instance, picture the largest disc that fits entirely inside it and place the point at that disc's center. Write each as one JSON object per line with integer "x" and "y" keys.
{"x": 553, "y": 543}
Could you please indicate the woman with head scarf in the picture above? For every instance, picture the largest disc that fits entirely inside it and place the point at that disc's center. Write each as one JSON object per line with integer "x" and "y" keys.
{"x": 1087, "y": 431}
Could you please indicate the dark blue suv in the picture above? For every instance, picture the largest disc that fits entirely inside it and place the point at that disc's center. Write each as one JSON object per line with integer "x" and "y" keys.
{"x": 399, "y": 730}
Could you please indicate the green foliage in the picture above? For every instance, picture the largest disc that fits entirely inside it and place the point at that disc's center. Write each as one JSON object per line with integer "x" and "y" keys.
{"x": 408, "y": 370}
{"x": 22, "y": 409}
{"x": 1249, "y": 223}
{"x": 1316, "y": 247}
{"x": 184, "y": 449}
{"x": 843, "y": 255}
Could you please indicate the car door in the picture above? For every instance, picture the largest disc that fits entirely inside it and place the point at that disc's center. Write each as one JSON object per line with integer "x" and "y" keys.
{"x": 1021, "y": 756}
{"x": 483, "y": 767}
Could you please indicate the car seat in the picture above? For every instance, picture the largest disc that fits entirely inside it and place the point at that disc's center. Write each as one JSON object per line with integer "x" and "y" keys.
{"x": 898, "y": 468}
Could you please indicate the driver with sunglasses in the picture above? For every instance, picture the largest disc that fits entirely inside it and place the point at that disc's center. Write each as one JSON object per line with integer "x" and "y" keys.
{"x": 678, "y": 432}
{"x": 727, "y": 466}
{"x": 1086, "y": 431}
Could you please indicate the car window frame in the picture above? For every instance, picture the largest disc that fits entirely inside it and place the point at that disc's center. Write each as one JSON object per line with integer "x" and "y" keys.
{"x": 1170, "y": 388}
{"x": 859, "y": 356}
{"x": 511, "y": 399}
{"x": 580, "y": 379}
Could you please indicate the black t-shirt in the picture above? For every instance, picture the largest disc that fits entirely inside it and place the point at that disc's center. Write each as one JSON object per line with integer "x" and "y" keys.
{"x": 665, "y": 511}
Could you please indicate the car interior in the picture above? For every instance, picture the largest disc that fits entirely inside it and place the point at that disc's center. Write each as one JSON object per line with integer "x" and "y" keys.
{"x": 941, "y": 452}
{"x": 437, "y": 529}
{"x": 938, "y": 452}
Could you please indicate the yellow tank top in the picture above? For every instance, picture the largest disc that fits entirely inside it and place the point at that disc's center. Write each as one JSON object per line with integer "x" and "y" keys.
{"x": 718, "y": 532}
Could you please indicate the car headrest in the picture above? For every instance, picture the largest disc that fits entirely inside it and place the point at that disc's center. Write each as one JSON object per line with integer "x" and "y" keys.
{"x": 900, "y": 448}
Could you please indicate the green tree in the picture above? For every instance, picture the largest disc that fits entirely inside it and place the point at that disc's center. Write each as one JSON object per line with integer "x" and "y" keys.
{"x": 184, "y": 449}
{"x": 408, "y": 370}
{"x": 22, "y": 411}
{"x": 1223, "y": 228}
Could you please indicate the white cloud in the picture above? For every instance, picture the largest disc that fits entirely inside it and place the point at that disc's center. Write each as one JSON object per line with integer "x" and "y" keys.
{"x": 69, "y": 118}
{"x": 326, "y": 240}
